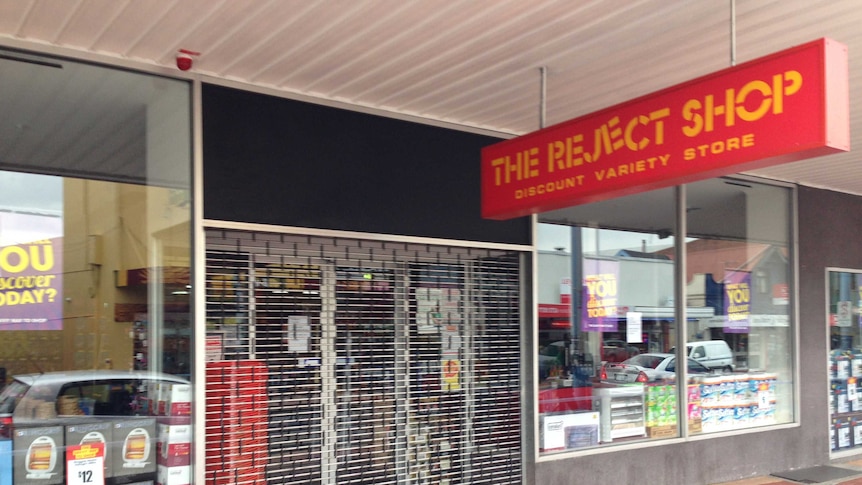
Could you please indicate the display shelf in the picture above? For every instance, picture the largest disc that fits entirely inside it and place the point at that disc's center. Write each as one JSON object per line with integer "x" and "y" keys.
{"x": 621, "y": 410}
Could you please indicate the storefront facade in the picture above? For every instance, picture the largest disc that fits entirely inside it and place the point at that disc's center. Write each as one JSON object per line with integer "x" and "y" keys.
{"x": 358, "y": 321}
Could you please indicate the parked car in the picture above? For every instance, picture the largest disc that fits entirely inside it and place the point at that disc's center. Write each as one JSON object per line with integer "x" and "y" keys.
{"x": 649, "y": 367}
{"x": 715, "y": 354}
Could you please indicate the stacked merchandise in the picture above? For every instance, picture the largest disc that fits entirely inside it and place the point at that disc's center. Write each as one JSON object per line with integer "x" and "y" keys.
{"x": 736, "y": 401}
{"x": 661, "y": 410}
{"x": 845, "y": 371}
{"x": 660, "y": 413}
{"x": 173, "y": 448}
{"x": 236, "y": 422}
{"x": 695, "y": 413}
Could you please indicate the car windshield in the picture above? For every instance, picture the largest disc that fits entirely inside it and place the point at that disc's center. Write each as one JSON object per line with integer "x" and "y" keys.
{"x": 11, "y": 395}
{"x": 694, "y": 367}
{"x": 645, "y": 360}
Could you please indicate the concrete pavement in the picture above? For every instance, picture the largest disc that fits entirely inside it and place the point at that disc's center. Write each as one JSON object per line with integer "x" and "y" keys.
{"x": 853, "y": 479}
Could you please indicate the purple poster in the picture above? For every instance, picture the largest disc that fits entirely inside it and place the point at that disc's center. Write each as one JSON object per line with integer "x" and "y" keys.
{"x": 599, "y": 312}
{"x": 737, "y": 301}
{"x": 31, "y": 285}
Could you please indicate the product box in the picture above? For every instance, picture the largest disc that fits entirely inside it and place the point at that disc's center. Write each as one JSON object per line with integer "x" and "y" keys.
{"x": 174, "y": 444}
{"x": 101, "y": 432}
{"x": 559, "y": 432}
{"x": 856, "y": 363}
{"x": 176, "y": 400}
{"x": 853, "y": 394}
{"x": 38, "y": 455}
{"x": 742, "y": 388}
{"x": 663, "y": 431}
{"x": 134, "y": 449}
{"x": 856, "y": 430}
{"x": 710, "y": 390}
{"x": 174, "y": 475}
{"x": 160, "y": 391}
{"x": 842, "y": 363}
{"x": 839, "y": 389}
{"x": 695, "y": 425}
{"x": 6, "y": 462}
{"x": 842, "y": 432}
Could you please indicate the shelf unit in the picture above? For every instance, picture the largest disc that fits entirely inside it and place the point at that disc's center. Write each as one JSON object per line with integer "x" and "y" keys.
{"x": 621, "y": 410}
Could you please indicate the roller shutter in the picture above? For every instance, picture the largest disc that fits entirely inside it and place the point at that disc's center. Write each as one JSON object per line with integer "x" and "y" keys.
{"x": 347, "y": 361}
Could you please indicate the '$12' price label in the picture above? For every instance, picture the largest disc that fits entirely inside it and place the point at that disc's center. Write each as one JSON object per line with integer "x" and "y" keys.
{"x": 85, "y": 464}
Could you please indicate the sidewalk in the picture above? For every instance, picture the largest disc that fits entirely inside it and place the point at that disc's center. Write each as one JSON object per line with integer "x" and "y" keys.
{"x": 849, "y": 473}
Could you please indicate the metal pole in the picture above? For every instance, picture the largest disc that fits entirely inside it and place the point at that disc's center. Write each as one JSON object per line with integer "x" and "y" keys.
{"x": 543, "y": 72}
{"x": 732, "y": 33}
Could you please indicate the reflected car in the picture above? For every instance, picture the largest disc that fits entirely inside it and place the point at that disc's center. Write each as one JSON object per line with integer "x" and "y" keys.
{"x": 649, "y": 367}
{"x": 37, "y": 398}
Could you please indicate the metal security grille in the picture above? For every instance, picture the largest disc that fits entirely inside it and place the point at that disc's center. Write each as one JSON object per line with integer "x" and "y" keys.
{"x": 346, "y": 361}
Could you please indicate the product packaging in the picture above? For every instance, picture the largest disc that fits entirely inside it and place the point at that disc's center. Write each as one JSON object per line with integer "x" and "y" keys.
{"x": 38, "y": 455}
{"x": 101, "y": 432}
{"x": 174, "y": 475}
{"x": 176, "y": 400}
{"x": 134, "y": 447}
{"x": 174, "y": 444}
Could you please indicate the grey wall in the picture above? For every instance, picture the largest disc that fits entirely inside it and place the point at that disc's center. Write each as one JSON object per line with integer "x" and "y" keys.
{"x": 830, "y": 232}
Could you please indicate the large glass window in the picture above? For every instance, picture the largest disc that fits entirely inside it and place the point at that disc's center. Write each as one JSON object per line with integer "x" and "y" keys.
{"x": 844, "y": 307}
{"x": 610, "y": 333}
{"x": 95, "y": 252}
{"x": 738, "y": 266}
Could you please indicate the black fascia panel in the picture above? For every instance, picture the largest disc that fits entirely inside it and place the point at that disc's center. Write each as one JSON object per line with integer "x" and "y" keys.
{"x": 272, "y": 160}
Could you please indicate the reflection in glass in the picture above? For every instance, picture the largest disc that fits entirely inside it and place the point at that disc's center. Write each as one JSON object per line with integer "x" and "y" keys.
{"x": 95, "y": 253}
{"x": 738, "y": 265}
{"x": 606, "y": 327}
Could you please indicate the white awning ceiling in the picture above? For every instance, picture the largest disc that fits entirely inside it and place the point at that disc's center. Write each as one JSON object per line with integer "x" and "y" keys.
{"x": 473, "y": 63}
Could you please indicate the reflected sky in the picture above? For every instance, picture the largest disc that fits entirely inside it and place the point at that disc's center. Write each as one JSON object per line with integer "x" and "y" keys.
{"x": 31, "y": 193}
{"x": 31, "y": 207}
{"x": 554, "y": 237}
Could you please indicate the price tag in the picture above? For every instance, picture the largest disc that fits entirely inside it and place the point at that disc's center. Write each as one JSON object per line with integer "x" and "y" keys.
{"x": 763, "y": 400}
{"x": 85, "y": 464}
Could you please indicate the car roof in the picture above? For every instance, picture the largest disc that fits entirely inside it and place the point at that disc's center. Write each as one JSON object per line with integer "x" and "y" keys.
{"x": 54, "y": 378}
{"x": 663, "y": 355}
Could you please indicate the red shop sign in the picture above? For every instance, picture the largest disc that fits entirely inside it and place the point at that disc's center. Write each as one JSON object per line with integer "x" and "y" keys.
{"x": 781, "y": 108}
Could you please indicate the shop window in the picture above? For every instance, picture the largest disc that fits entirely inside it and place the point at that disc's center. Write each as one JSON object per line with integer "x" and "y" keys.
{"x": 608, "y": 370}
{"x": 611, "y": 377}
{"x": 737, "y": 247}
{"x": 95, "y": 252}
{"x": 844, "y": 304}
